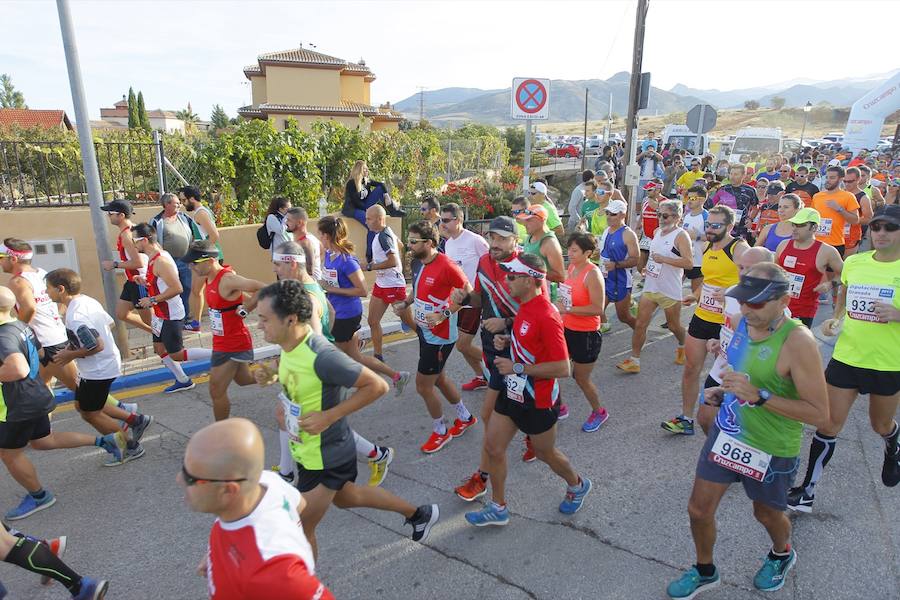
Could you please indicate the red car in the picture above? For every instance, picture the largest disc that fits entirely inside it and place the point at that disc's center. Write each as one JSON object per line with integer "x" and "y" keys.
{"x": 565, "y": 151}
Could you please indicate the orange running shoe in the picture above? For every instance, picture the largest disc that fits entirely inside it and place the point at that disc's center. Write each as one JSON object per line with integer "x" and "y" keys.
{"x": 435, "y": 442}
{"x": 459, "y": 427}
{"x": 529, "y": 455}
{"x": 629, "y": 366}
{"x": 679, "y": 355}
{"x": 472, "y": 488}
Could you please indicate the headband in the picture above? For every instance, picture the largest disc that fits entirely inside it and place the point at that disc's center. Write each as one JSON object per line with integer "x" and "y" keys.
{"x": 518, "y": 267}
{"x": 20, "y": 254}
{"x": 288, "y": 258}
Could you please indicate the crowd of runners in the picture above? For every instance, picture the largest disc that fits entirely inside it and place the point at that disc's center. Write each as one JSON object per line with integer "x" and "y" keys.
{"x": 757, "y": 254}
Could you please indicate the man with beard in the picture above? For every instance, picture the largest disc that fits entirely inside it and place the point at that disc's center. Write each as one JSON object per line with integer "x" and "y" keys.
{"x": 737, "y": 196}
{"x": 836, "y": 207}
{"x": 203, "y": 227}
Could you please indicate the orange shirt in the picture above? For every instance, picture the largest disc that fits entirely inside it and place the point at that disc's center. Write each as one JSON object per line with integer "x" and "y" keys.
{"x": 831, "y": 228}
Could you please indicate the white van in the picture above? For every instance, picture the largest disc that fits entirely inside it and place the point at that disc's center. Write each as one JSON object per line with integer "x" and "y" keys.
{"x": 684, "y": 139}
{"x": 762, "y": 141}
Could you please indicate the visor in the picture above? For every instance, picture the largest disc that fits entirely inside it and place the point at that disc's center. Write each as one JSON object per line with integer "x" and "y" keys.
{"x": 519, "y": 268}
{"x": 756, "y": 290}
{"x": 288, "y": 258}
{"x": 20, "y": 254}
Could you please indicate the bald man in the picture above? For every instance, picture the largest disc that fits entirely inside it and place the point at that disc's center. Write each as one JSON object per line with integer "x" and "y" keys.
{"x": 258, "y": 518}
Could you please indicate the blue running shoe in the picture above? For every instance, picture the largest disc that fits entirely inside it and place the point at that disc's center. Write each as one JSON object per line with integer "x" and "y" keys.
{"x": 29, "y": 505}
{"x": 128, "y": 455}
{"x": 771, "y": 575}
{"x": 594, "y": 421}
{"x": 137, "y": 432}
{"x": 179, "y": 387}
{"x": 115, "y": 444}
{"x": 571, "y": 504}
{"x": 192, "y": 326}
{"x": 92, "y": 589}
{"x": 692, "y": 583}
{"x": 492, "y": 514}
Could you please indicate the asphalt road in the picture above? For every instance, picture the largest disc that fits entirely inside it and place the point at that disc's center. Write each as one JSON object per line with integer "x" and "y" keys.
{"x": 130, "y": 524}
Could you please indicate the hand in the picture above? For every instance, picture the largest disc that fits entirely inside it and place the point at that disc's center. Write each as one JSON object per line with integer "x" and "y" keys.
{"x": 145, "y": 302}
{"x": 831, "y": 327}
{"x": 713, "y": 396}
{"x": 658, "y": 258}
{"x": 739, "y": 385}
{"x": 713, "y": 346}
{"x": 609, "y": 266}
{"x": 494, "y": 325}
{"x": 64, "y": 357}
{"x": 504, "y": 365}
{"x": 265, "y": 375}
{"x": 823, "y": 287}
{"x": 279, "y": 416}
{"x": 501, "y": 342}
{"x": 835, "y": 206}
{"x": 688, "y": 300}
{"x": 315, "y": 423}
{"x": 887, "y": 313}
{"x": 108, "y": 265}
{"x": 399, "y": 307}
{"x": 202, "y": 566}
{"x": 140, "y": 280}
{"x": 458, "y": 297}
{"x": 561, "y": 307}
{"x": 325, "y": 283}
{"x": 434, "y": 319}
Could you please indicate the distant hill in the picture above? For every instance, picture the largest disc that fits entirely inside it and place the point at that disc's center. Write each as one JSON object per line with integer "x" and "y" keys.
{"x": 439, "y": 98}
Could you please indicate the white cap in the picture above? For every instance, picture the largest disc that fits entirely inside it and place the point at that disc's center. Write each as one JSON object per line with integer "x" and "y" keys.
{"x": 834, "y": 162}
{"x": 616, "y": 207}
{"x": 539, "y": 186}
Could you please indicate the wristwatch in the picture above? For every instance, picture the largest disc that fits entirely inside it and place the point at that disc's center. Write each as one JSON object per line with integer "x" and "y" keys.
{"x": 763, "y": 397}
{"x": 368, "y": 266}
{"x": 518, "y": 368}
{"x": 115, "y": 264}
{"x": 446, "y": 313}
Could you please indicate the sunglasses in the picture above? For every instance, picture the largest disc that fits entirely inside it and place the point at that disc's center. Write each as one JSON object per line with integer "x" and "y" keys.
{"x": 446, "y": 220}
{"x": 518, "y": 211}
{"x": 190, "y": 480}
{"x": 532, "y": 192}
{"x": 611, "y": 214}
{"x": 877, "y": 227}
{"x": 753, "y": 305}
{"x": 664, "y": 215}
{"x": 715, "y": 226}
{"x": 416, "y": 240}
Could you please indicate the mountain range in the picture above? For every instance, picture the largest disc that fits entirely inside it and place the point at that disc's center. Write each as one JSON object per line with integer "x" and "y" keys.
{"x": 458, "y": 105}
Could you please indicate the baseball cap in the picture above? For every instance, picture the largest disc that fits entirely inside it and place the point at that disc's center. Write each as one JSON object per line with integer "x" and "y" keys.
{"x": 519, "y": 268}
{"x": 806, "y": 215}
{"x": 197, "y": 253}
{"x": 119, "y": 206}
{"x": 533, "y": 211}
{"x": 774, "y": 187}
{"x": 889, "y": 213}
{"x": 616, "y": 207}
{"x": 757, "y": 289}
{"x": 539, "y": 186}
{"x": 834, "y": 162}
{"x": 503, "y": 225}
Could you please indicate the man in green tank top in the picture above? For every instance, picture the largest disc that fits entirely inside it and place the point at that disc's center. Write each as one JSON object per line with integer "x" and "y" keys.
{"x": 542, "y": 242}
{"x": 773, "y": 385}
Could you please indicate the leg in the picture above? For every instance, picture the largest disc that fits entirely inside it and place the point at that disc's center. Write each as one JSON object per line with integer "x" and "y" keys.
{"x": 100, "y": 421}
{"x": 704, "y": 501}
{"x": 448, "y": 388}
{"x": 318, "y": 500}
{"x": 623, "y": 312}
{"x": 21, "y": 469}
{"x": 220, "y": 377}
{"x": 639, "y": 336}
{"x": 821, "y": 450}
{"x": 470, "y": 352}
{"x": 881, "y": 413}
{"x": 32, "y": 555}
{"x": 63, "y": 439}
{"x": 487, "y": 410}
{"x": 351, "y": 349}
{"x": 357, "y": 496}
{"x": 545, "y": 449}
{"x": 66, "y": 375}
{"x": 776, "y": 523}
{"x": 377, "y": 308}
{"x": 243, "y": 376}
{"x": 695, "y": 354}
{"x": 673, "y": 319}
{"x": 582, "y": 374}
{"x": 500, "y": 432}
{"x": 196, "y": 298}
{"x": 125, "y": 313}
{"x": 425, "y": 387}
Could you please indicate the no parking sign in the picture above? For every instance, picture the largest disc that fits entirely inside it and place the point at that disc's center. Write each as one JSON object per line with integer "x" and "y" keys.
{"x": 530, "y": 98}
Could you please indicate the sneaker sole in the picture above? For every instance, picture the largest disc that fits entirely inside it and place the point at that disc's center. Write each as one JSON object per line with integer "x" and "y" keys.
{"x": 474, "y": 389}
{"x": 59, "y": 554}
{"x": 435, "y": 515}
{"x": 784, "y": 575}
{"x": 562, "y": 417}
{"x": 433, "y": 450}
{"x": 125, "y": 459}
{"x": 32, "y": 511}
{"x": 702, "y": 588}
{"x": 473, "y": 498}
{"x": 800, "y": 508}
{"x": 488, "y": 523}
{"x": 593, "y": 429}
{"x": 387, "y": 460}
{"x": 181, "y": 389}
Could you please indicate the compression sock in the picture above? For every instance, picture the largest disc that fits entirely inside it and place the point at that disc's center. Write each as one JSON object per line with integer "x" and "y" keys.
{"x": 197, "y": 354}
{"x": 463, "y": 413}
{"x": 820, "y": 452}
{"x": 364, "y": 448}
{"x": 36, "y": 557}
{"x": 286, "y": 459}
{"x": 891, "y": 440}
{"x": 439, "y": 427}
{"x": 175, "y": 369}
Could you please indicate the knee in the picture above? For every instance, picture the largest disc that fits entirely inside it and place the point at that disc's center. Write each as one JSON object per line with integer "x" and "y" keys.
{"x": 700, "y": 511}
{"x": 495, "y": 452}
{"x": 423, "y": 387}
{"x": 766, "y": 515}
{"x": 882, "y": 425}
{"x": 545, "y": 455}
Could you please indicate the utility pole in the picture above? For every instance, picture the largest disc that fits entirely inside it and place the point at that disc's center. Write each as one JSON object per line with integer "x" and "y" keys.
{"x": 421, "y": 103}
{"x": 631, "y": 122}
{"x": 89, "y": 163}
{"x": 584, "y": 140}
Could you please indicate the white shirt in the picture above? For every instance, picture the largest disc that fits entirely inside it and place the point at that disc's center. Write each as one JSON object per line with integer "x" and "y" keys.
{"x": 466, "y": 250}
{"x": 46, "y": 322}
{"x": 316, "y": 249}
{"x": 696, "y": 225}
{"x": 576, "y": 199}
{"x": 383, "y": 244}
{"x": 106, "y": 364}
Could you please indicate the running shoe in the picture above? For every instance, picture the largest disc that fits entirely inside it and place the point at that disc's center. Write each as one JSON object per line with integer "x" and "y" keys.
{"x": 679, "y": 356}
{"x": 594, "y": 421}
{"x": 58, "y": 547}
{"x": 129, "y": 455}
{"x": 192, "y": 326}
{"x": 629, "y": 366}
{"x": 29, "y": 505}
{"x": 472, "y": 488}
{"x": 115, "y": 444}
{"x": 680, "y": 425}
{"x": 477, "y": 383}
{"x": 435, "y": 442}
{"x": 798, "y": 500}
{"x": 460, "y": 427}
{"x": 130, "y": 407}
{"x": 492, "y": 514}
{"x": 529, "y": 455}
{"x": 605, "y": 327}
{"x": 92, "y": 589}
{"x": 633, "y": 309}
{"x": 400, "y": 383}
{"x": 771, "y": 575}
{"x": 378, "y": 467}
{"x": 563, "y": 411}
{"x": 137, "y": 432}
{"x": 179, "y": 387}
{"x": 692, "y": 583}
{"x": 571, "y": 504}
{"x": 890, "y": 470}
{"x": 423, "y": 520}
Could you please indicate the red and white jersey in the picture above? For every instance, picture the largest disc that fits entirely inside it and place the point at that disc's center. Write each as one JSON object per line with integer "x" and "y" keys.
{"x": 47, "y": 325}
{"x": 172, "y": 309}
{"x": 537, "y": 337}
{"x": 265, "y": 554}
{"x": 229, "y": 331}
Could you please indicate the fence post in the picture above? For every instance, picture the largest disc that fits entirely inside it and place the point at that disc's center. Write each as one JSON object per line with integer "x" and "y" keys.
{"x": 160, "y": 162}
{"x": 449, "y": 158}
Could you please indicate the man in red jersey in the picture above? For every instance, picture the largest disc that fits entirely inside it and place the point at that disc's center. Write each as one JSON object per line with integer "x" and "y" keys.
{"x": 132, "y": 262}
{"x": 649, "y": 220}
{"x": 257, "y": 548}
{"x": 232, "y": 348}
{"x": 529, "y": 401}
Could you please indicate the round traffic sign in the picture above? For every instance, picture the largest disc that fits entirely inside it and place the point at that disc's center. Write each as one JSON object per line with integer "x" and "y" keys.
{"x": 531, "y": 96}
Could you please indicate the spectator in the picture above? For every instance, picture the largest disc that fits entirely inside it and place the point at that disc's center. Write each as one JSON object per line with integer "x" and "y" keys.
{"x": 174, "y": 232}
{"x": 576, "y": 199}
{"x": 275, "y": 223}
{"x": 671, "y": 173}
{"x": 650, "y": 163}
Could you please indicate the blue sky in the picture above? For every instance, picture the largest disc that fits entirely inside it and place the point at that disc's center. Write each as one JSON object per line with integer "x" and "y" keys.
{"x": 193, "y": 51}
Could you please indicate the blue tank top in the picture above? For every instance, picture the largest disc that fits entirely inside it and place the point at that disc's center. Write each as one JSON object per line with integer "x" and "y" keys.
{"x": 615, "y": 249}
{"x": 773, "y": 239}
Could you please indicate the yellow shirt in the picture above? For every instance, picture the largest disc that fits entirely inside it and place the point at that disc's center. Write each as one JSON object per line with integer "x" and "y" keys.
{"x": 688, "y": 179}
{"x": 719, "y": 273}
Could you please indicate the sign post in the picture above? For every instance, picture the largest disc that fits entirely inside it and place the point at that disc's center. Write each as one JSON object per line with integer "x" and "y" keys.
{"x": 530, "y": 101}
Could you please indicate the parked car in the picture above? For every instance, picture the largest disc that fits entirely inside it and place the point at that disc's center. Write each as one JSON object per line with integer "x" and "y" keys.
{"x": 565, "y": 151}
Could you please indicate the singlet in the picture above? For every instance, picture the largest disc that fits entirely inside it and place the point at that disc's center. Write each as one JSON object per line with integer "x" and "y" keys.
{"x": 537, "y": 337}
{"x": 804, "y": 276}
{"x": 383, "y": 244}
{"x": 229, "y": 331}
{"x": 773, "y": 240}
{"x": 574, "y": 292}
{"x": 316, "y": 246}
{"x": 46, "y": 322}
{"x": 768, "y": 215}
{"x": 532, "y": 246}
{"x": 719, "y": 272}
{"x": 27, "y": 398}
{"x": 649, "y": 219}
{"x": 864, "y": 341}
{"x": 698, "y": 241}
{"x": 613, "y": 248}
{"x": 316, "y": 290}
{"x": 598, "y": 222}
{"x": 664, "y": 279}
{"x": 172, "y": 309}
{"x": 759, "y": 426}
{"x": 130, "y": 274}
{"x": 198, "y": 230}
{"x": 432, "y": 285}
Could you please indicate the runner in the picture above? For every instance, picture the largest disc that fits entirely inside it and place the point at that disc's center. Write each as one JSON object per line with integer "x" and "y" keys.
{"x": 344, "y": 285}
{"x": 25, "y": 406}
{"x": 465, "y": 248}
{"x": 865, "y": 359}
{"x": 93, "y": 349}
{"x": 436, "y": 321}
{"x": 132, "y": 262}
{"x": 807, "y": 262}
{"x": 530, "y": 400}
{"x": 739, "y": 197}
{"x": 802, "y": 186}
{"x": 258, "y": 518}
{"x": 776, "y": 385}
{"x": 232, "y": 346}
{"x": 649, "y": 221}
{"x": 670, "y": 255}
{"x": 835, "y": 207}
{"x": 312, "y": 373}
{"x": 289, "y": 263}
{"x": 694, "y": 223}
{"x": 618, "y": 255}
{"x": 687, "y": 180}
{"x": 720, "y": 272}
{"x": 853, "y": 233}
{"x": 390, "y": 285}
{"x": 203, "y": 227}
{"x": 296, "y": 221}
{"x": 766, "y": 212}
{"x": 581, "y": 300}
{"x": 38, "y": 557}
{"x": 773, "y": 234}
{"x": 537, "y": 196}
{"x": 164, "y": 289}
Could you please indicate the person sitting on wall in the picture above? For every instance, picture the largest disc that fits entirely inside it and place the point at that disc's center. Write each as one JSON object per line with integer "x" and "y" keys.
{"x": 361, "y": 193}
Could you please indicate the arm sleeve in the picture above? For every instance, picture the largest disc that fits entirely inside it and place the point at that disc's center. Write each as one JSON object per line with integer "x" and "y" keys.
{"x": 286, "y": 576}
{"x": 333, "y": 366}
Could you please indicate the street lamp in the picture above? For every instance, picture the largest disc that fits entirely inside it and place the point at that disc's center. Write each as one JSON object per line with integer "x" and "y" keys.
{"x": 806, "y": 110}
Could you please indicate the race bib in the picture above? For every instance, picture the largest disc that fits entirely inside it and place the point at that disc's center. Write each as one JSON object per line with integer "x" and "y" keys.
{"x": 515, "y": 387}
{"x": 861, "y": 301}
{"x": 603, "y": 270}
{"x": 291, "y": 417}
{"x": 330, "y": 277}
{"x": 725, "y": 335}
{"x": 420, "y": 309}
{"x": 644, "y": 244}
{"x": 156, "y": 325}
{"x": 738, "y": 215}
{"x": 711, "y": 299}
{"x": 796, "y": 283}
{"x": 215, "y": 322}
{"x": 653, "y": 269}
{"x": 824, "y": 227}
{"x": 565, "y": 294}
{"x": 846, "y": 229}
{"x": 739, "y": 457}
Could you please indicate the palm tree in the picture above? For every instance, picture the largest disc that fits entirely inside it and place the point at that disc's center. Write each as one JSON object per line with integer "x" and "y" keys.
{"x": 187, "y": 115}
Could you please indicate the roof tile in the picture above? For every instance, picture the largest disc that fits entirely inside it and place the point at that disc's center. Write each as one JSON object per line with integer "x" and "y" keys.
{"x": 26, "y": 117}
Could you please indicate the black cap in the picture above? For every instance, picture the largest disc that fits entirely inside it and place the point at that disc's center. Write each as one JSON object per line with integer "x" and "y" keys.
{"x": 119, "y": 206}
{"x": 503, "y": 225}
{"x": 756, "y": 289}
{"x": 196, "y": 253}
{"x": 889, "y": 213}
{"x": 774, "y": 187}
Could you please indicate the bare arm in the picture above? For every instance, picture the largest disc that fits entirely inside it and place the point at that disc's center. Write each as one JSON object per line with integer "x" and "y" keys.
{"x": 358, "y": 289}
{"x": 203, "y": 218}
{"x": 761, "y": 240}
{"x": 556, "y": 268}
{"x": 233, "y": 284}
{"x": 168, "y": 273}
{"x": 25, "y": 306}
{"x": 865, "y": 206}
{"x": 131, "y": 251}
{"x": 549, "y": 370}
{"x": 14, "y": 367}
